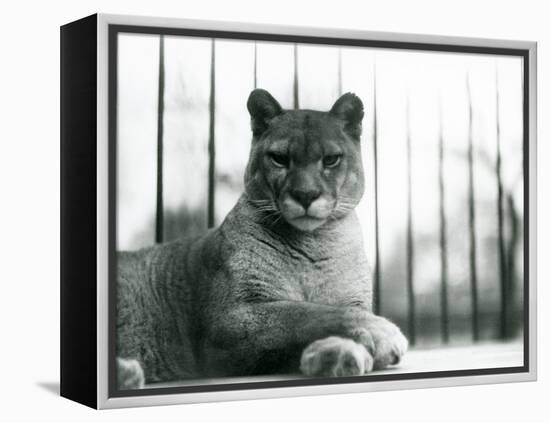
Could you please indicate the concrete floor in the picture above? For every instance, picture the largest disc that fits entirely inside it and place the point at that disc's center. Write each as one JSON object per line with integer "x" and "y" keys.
{"x": 479, "y": 356}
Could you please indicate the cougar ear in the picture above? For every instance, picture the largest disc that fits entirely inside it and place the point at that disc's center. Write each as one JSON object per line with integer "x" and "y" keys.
{"x": 349, "y": 108}
{"x": 262, "y": 108}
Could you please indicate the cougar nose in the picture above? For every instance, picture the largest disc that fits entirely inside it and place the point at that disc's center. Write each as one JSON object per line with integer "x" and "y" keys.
{"x": 305, "y": 198}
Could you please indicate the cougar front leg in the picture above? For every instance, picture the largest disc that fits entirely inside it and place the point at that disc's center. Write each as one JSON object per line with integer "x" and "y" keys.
{"x": 389, "y": 342}
{"x": 270, "y": 337}
{"x": 335, "y": 356}
{"x": 379, "y": 344}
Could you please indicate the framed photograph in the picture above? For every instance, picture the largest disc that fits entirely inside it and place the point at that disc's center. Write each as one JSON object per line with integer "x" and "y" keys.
{"x": 253, "y": 211}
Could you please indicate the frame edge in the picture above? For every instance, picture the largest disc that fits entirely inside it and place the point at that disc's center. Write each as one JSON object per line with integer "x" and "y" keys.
{"x": 78, "y": 312}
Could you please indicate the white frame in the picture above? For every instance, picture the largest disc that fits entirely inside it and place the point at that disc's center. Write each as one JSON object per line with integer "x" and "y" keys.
{"x": 103, "y": 401}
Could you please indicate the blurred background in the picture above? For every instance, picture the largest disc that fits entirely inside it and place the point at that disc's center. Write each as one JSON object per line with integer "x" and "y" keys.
{"x": 442, "y": 216}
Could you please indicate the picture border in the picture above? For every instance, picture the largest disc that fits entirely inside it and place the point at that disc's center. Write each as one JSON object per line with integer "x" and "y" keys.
{"x": 186, "y": 28}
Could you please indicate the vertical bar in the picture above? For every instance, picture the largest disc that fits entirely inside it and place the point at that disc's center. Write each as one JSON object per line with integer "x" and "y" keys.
{"x": 212, "y": 136}
{"x": 443, "y": 234}
{"x": 511, "y": 264}
{"x": 340, "y": 88}
{"x": 159, "y": 225}
{"x": 500, "y": 217}
{"x": 410, "y": 246}
{"x": 255, "y": 65}
{"x": 472, "y": 217}
{"x": 296, "y": 99}
{"x": 377, "y": 269}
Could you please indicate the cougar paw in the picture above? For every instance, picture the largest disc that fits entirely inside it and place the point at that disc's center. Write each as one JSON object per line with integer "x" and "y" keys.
{"x": 334, "y": 356}
{"x": 389, "y": 343}
{"x": 130, "y": 374}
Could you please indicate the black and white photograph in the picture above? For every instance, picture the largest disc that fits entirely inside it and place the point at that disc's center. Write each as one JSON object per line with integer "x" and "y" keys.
{"x": 304, "y": 211}
{"x": 291, "y": 211}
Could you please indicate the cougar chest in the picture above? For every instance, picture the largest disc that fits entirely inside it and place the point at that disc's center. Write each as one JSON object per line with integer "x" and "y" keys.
{"x": 329, "y": 282}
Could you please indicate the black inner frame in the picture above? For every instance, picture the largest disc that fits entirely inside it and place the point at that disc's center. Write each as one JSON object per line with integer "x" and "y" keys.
{"x": 115, "y": 29}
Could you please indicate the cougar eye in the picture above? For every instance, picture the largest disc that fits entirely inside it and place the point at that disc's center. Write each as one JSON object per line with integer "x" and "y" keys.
{"x": 332, "y": 161}
{"x": 279, "y": 160}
